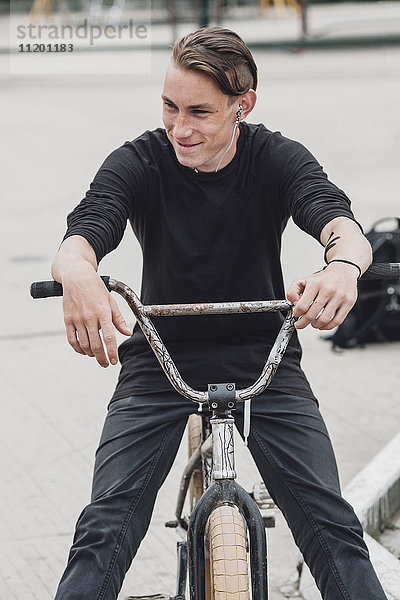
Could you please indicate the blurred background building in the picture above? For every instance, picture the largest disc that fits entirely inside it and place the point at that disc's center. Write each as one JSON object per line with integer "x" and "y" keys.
{"x": 285, "y": 22}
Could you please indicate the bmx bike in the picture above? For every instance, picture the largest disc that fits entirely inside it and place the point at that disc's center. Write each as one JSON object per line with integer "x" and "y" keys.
{"x": 224, "y": 543}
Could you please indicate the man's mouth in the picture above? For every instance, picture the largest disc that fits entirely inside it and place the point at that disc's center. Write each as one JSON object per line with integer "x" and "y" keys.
{"x": 188, "y": 146}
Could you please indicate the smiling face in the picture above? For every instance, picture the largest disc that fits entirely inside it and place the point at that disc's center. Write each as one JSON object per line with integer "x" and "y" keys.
{"x": 199, "y": 119}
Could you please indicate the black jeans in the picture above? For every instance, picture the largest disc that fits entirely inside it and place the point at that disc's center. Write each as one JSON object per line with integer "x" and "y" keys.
{"x": 292, "y": 450}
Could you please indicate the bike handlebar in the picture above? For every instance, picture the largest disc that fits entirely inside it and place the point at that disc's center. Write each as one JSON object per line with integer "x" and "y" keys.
{"x": 45, "y": 289}
{"x": 382, "y": 271}
{"x": 50, "y": 289}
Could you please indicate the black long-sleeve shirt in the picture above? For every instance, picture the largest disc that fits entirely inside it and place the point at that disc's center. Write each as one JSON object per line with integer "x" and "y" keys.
{"x": 208, "y": 237}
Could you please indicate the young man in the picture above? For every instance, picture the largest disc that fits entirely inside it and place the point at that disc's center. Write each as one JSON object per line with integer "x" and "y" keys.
{"x": 208, "y": 199}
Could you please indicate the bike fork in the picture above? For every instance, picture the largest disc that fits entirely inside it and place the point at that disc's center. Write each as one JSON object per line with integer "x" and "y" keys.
{"x": 224, "y": 490}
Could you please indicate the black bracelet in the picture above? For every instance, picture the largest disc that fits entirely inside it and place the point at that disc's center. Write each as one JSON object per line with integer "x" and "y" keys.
{"x": 347, "y": 262}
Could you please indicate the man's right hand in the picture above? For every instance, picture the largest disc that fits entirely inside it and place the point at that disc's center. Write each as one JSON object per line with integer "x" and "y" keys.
{"x": 90, "y": 312}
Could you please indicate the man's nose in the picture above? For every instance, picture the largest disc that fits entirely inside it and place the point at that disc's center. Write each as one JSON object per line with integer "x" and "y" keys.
{"x": 182, "y": 127}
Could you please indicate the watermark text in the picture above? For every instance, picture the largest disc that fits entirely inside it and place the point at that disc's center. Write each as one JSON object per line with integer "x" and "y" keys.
{"x": 83, "y": 31}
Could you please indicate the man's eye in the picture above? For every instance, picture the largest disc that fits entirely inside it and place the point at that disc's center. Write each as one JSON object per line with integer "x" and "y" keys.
{"x": 170, "y": 106}
{"x": 200, "y": 112}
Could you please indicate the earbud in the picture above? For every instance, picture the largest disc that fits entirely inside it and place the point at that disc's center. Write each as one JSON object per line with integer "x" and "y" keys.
{"x": 239, "y": 112}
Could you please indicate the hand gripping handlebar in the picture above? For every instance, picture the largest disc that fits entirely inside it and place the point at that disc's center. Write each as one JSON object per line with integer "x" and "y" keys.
{"x": 143, "y": 313}
{"x": 45, "y": 289}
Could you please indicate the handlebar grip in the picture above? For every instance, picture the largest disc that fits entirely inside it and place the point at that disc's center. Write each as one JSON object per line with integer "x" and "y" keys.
{"x": 46, "y": 289}
{"x": 49, "y": 289}
{"x": 382, "y": 271}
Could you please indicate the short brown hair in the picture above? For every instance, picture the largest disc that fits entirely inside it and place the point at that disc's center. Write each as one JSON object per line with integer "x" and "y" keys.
{"x": 221, "y": 54}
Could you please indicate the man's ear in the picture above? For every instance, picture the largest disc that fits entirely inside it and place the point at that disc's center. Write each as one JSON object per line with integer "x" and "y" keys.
{"x": 248, "y": 101}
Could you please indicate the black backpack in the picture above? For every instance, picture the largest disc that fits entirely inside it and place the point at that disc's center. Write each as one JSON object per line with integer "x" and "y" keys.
{"x": 375, "y": 316}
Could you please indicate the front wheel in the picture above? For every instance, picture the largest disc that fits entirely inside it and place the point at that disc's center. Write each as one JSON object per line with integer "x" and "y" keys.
{"x": 228, "y": 555}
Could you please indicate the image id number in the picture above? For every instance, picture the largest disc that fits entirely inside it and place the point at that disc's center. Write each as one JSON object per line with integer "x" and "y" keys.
{"x": 45, "y": 48}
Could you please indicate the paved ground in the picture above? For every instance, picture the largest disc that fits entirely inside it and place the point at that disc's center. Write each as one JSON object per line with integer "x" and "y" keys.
{"x": 56, "y": 132}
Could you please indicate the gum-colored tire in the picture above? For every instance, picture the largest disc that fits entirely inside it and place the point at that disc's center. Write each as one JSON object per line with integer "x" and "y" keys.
{"x": 228, "y": 555}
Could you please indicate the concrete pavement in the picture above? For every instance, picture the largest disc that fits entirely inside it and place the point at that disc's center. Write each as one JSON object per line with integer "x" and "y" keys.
{"x": 56, "y": 132}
